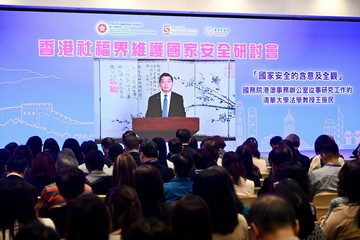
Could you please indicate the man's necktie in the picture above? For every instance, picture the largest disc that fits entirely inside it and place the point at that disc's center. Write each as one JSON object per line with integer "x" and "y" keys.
{"x": 165, "y": 104}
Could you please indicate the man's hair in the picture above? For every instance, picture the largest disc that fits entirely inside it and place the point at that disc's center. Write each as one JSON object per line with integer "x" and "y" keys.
{"x": 182, "y": 165}
{"x": 330, "y": 147}
{"x": 213, "y": 148}
{"x": 131, "y": 142}
{"x": 106, "y": 142}
{"x": 149, "y": 148}
{"x": 280, "y": 154}
{"x": 70, "y": 182}
{"x": 270, "y": 213}
{"x": 66, "y": 158}
{"x": 184, "y": 134}
{"x": 94, "y": 160}
{"x": 115, "y": 150}
{"x": 175, "y": 145}
{"x": 294, "y": 140}
{"x": 88, "y": 146}
{"x": 165, "y": 75}
{"x": 17, "y": 163}
{"x": 202, "y": 159}
{"x": 275, "y": 140}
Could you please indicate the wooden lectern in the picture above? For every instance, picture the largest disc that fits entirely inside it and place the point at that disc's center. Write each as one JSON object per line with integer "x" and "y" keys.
{"x": 164, "y": 127}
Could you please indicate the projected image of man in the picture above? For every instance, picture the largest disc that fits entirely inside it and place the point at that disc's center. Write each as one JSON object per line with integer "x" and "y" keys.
{"x": 166, "y": 103}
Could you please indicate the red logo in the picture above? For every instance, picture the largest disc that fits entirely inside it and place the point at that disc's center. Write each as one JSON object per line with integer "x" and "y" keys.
{"x": 102, "y": 28}
{"x": 166, "y": 29}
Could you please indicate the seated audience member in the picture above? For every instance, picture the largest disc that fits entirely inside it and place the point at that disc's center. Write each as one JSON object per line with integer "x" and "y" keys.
{"x": 252, "y": 172}
{"x": 149, "y": 154}
{"x": 87, "y": 219}
{"x": 257, "y": 160}
{"x": 131, "y": 144}
{"x": 302, "y": 159}
{"x": 105, "y": 144}
{"x": 272, "y": 217}
{"x": 86, "y": 147}
{"x": 343, "y": 183}
{"x": 50, "y": 196}
{"x": 184, "y": 135}
{"x": 99, "y": 181}
{"x": 161, "y": 144}
{"x": 220, "y": 141}
{"x": 201, "y": 160}
{"x": 181, "y": 185}
{"x": 316, "y": 162}
{"x": 74, "y": 145}
{"x": 124, "y": 209}
{"x": 35, "y": 144}
{"x": 175, "y": 147}
{"x": 52, "y": 146}
{"x": 215, "y": 186}
{"x": 17, "y": 208}
{"x": 114, "y": 151}
{"x": 232, "y": 163}
{"x": 274, "y": 141}
{"x": 150, "y": 189}
{"x": 193, "y": 143}
{"x": 290, "y": 190}
{"x": 277, "y": 156}
{"x": 70, "y": 182}
{"x": 4, "y": 157}
{"x": 213, "y": 148}
{"x": 11, "y": 147}
{"x": 25, "y": 151}
{"x": 36, "y": 231}
{"x": 190, "y": 219}
{"x": 43, "y": 171}
{"x": 149, "y": 229}
{"x": 124, "y": 170}
{"x": 326, "y": 179}
{"x": 344, "y": 221}
{"x": 15, "y": 170}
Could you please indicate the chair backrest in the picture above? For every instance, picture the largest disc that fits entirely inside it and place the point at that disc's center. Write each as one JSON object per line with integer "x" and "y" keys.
{"x": 248, "y": 199}
{"x": 322, "y": 202}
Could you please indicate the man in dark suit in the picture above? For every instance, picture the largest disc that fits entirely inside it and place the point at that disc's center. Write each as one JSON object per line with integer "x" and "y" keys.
{"x": 165, "y": 103}
{"x": 302, "y": 159}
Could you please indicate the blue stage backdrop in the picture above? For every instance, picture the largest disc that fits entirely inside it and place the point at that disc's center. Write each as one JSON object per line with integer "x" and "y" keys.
{"x": 86, "y": 75}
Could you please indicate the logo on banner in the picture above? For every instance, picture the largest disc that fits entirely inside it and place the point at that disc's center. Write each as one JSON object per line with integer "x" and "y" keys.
{"x": 216, "y": 31}
{"x": 102, "y": 28}
{"x": 178, "y": 30}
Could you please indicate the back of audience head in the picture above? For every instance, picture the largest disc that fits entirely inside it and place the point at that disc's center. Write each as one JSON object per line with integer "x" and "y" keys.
{"x": 131, "y": 142}
{"x": 184, "y": 134}
{"x": 124, "y": 208}
{"x": 24, "y": 151}
{"x": 329, "y": 152}
{"x": 124, "y": 170}
{"x": 294, "y": 140}
{"x": 215, "y": 186}
{"x": 232, "y": 163}
{"x": 43, "y": 166}
{"x": 245, "y": 157}
{"x": 115, "y": 150}
{"x": 126, "y": 134}
{"x": 94, "y": 160}
{"x": 106, "y": 143}
{"x": 74, "y": 145}
{"x": 213, "y": 148}
{"x": 16, "y": 206}
{"x": 11, "y": 147}
{"x": 193, "y": 143}
{"x": 88, "y": 146}
{"x": 35, "y": 145}
{"x": 290, "y": 145}
{"x": 295, "y": 171}
{"x": 149, "y": 149}
{"x": 66, "y": 158}
{"x": 290, "y": 190}
{"x": 320, "y": 141}
{"x": 279, "y": 155}
{"x": 272, "y": 217}
{"x": 161, "y": 146}
{"x": 70, "y": 182}
{"x": 175, "y": 145}
{"x": 87, "y": 218}
{"x": 344, "y": 176}
{"x": 51, "y": 145}
{"x": 251, "y": 143}
{"x": 274, "y": 141}
{"x": 191, "y": 219}
{"x": 149, "y": 229}
{"x": 182, "y": 165}
{"x": 36, "y": 231}
{"x": 202, "y": 159}
{"x": 352, "y": 187}
{"x": 17, "y": 164}
{"x": 4, "y": 157}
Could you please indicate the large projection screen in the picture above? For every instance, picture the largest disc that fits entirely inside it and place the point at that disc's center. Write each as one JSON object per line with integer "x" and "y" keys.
{"x": 86, "y": 75}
